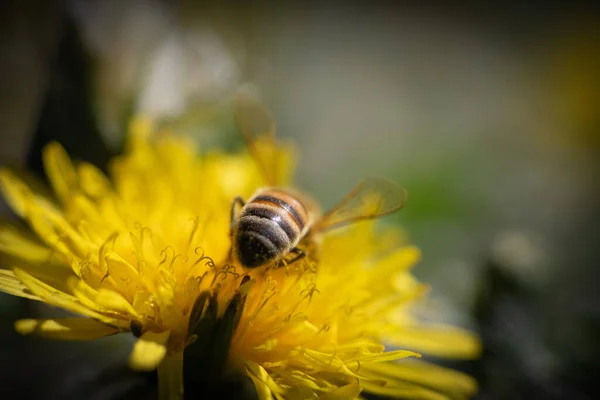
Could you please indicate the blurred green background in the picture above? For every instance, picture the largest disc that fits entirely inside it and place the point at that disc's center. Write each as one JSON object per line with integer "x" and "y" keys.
{"x": 488, "y": 115}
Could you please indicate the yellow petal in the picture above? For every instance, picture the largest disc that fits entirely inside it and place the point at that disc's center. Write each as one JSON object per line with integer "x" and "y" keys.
{"x": 114, "y": 301}
{"x": 84, "y": 208}
{"x": 119, "y": 269}
{"x": 53, "y": 274}
{"x": 304, "y": 384}
{"x": 83, "y": 292}
{"x": 15, "y": 192}
{"x": 361, "y": 346}
{"x": 398, "y": 261}
{"x": 50, "y": 225}
{"x": 387, "y": 356}
{"x": 438, "y": 340}
{"x": 149, "y": 351}
{"x": 11, "y": 285}
{"x": 18, "y": 243}
{"x": 262, "y": 390}
{"x": 67, "y": 233}
{"x": 104, "y": 301}
{"x": 403, "y": 391}
{"x": 50, "y": 274}
{"x": 331, "y": 362}
{"x": 93, "y": 182}
{"x": 264, "y": 384}
{"x": 44, "y": 229}
{"x": 57, "y": 298}
{"x": 346, "y": 392}
{"x": 425, "y": 374}
{"x": 102, "y": 265}
{"x": 60, "y": 171}
{"x": 65, "y": 328}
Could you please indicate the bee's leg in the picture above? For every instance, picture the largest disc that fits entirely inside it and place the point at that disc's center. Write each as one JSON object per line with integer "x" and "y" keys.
{"x": 233, "y": 217}
{"x": 300, "y": 254}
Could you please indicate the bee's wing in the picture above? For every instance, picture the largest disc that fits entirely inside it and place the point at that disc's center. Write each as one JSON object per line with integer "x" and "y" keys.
{"x": 371, "y": 198}
{"x": 257, "y": 126}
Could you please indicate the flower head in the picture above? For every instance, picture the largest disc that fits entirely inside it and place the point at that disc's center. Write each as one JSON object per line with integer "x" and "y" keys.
{"x": 148, "y": 251}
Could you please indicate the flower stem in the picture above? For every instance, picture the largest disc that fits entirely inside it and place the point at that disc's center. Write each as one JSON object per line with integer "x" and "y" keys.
{"x": 170, "y": 377}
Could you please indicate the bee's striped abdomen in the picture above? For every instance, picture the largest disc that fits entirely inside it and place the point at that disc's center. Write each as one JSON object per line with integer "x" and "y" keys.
{"x": 271, "y": 224}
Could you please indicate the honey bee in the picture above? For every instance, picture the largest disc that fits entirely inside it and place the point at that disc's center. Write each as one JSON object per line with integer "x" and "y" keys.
{"x": 277, "y": 220}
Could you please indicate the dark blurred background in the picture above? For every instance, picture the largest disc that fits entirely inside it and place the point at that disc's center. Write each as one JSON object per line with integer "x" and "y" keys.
{"x": 488, "y": 114}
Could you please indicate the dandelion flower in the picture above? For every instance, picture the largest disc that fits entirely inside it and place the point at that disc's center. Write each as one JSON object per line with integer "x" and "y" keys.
{"x": 146, "y": 251}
